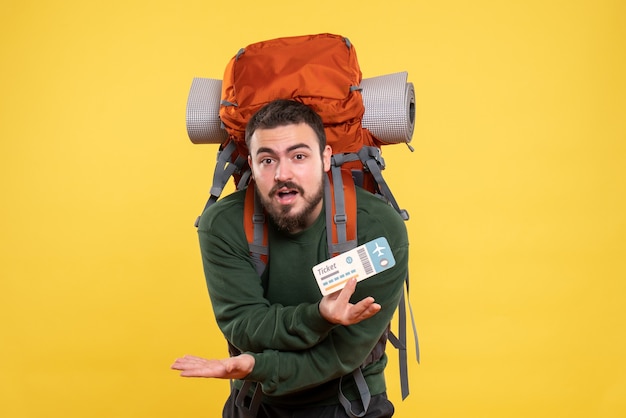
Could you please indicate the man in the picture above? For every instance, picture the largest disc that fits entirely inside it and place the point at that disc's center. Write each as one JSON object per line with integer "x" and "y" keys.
{"x": 298, "y": 347}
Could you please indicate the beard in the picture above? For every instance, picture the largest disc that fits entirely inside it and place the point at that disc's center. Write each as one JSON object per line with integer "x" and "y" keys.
{"x": 283, "y": 217}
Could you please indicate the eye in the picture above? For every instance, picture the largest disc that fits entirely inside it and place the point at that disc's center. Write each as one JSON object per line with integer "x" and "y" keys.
{"x": 299, "y": 157}
{"x": 266, "y": 161}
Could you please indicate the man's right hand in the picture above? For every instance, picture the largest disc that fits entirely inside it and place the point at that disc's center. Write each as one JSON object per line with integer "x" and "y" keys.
{"x": 337, "y": 309}
{"x": 237, "y": 367}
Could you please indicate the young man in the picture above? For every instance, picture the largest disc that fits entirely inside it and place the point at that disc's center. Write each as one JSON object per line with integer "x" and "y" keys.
{"x": 298, "y": 347}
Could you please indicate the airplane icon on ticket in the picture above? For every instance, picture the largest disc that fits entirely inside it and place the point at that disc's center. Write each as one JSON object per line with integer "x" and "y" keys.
{"x": 379, "y": 250}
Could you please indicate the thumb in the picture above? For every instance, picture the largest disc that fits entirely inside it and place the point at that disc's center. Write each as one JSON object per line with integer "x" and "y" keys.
{"x": 347, "y": 291}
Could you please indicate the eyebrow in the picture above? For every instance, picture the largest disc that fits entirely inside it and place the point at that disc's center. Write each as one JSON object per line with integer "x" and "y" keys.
{"x": 291, "y": 148}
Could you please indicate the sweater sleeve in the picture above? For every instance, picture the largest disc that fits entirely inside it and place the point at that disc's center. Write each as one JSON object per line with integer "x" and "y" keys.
{"x": 244, "y": 315}
{"x": 346, "y": 348}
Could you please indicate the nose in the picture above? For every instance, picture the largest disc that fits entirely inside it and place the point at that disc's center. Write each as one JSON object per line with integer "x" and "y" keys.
{"x": 283, "y": 172}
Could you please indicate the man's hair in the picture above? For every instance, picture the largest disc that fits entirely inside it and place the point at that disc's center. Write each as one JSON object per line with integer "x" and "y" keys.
{"x": 284, "y": 112}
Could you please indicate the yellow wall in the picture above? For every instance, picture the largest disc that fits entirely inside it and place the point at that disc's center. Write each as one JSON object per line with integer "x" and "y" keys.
{"x": 516, "y": 197}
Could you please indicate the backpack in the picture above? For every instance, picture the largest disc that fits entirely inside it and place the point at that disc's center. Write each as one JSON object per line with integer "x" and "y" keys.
{"x": 359, "y": 115}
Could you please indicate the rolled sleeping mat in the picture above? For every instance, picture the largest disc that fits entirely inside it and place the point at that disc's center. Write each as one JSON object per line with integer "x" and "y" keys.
{"x": 389, "y": 107}
{"x": 388, "y": 99}
{"x": 203, "y": 112}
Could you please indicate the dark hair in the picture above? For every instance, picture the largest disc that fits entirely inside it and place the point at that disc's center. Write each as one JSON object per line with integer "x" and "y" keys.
{"x": 283, "y": 112}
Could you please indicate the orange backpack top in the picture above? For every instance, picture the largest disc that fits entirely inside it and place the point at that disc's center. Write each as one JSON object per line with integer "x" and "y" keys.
{"x": 320, "y": 71}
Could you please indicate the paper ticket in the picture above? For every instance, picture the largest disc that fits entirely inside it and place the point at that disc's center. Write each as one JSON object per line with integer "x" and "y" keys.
{"x": 361, "y": 263}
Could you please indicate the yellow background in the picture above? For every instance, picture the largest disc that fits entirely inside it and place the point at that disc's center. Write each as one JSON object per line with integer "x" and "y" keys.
{"x": 515, "y": 190}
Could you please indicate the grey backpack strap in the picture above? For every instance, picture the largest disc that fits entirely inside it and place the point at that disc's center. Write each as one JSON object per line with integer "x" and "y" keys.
{"x": 251, "y": 407}
{"x": 224, "y": 169}
{"x": 257, "y": 248}
{"x": 373, "y": 161}
{"x": 364, "y": 393}
{"x": 338, "y": 216}
{"x": 399, "y": 341}
{"x": 240, "y": 401}
{"x": 416, "y": 341}
{"x": 329, "y": 213}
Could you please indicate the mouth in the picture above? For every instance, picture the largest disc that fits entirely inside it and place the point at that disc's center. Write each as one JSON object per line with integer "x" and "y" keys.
{"x": 286, "y": 196}
{"x": 286, "y": 193}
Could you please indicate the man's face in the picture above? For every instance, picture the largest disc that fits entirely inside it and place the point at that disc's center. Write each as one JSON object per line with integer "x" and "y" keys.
{"x": 288, "y": 172}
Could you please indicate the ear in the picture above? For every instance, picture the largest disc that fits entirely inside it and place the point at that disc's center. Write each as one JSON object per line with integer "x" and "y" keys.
{"x": 250, "y": 165}
{"x": 328, "y": 152}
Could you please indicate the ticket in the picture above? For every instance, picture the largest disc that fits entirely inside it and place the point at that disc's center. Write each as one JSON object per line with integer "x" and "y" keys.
{"x": 361, "y": 263}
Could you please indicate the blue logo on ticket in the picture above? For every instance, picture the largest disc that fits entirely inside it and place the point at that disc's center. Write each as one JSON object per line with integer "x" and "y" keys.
{"x": 361, "y": 263}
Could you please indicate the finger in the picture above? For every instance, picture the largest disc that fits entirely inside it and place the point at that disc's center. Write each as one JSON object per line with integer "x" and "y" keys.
{"x": 372, "y": 310}
{"x": 347, "y": 291}
{"x": 366, "y": 308}
{"x": 181, "y": 365}
{"x": 194, "y": 373}
{"x": 195, "y": 359}
{"x": 195, "y": 369}
{"x": 363, "y": 304}
{"x": 212, "y": 368}
{"x": 188, "y": 361}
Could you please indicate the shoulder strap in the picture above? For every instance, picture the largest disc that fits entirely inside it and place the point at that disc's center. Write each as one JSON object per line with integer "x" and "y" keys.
{"x": 229, "y": 162}
{"x": 340, "y": 211}
{"x": 256, "y": 229}
{"x": 373, "y": 161}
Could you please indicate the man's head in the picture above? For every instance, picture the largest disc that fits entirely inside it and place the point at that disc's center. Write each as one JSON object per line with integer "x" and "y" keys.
{"x": 283, "y": 112}
{"x": 288, "y": 158}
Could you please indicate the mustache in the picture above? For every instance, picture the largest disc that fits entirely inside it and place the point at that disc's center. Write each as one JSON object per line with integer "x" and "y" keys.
{"x": 286, "y": 185}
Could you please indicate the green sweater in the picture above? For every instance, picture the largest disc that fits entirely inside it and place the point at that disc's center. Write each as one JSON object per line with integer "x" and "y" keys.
{"x": 299, "y": 356}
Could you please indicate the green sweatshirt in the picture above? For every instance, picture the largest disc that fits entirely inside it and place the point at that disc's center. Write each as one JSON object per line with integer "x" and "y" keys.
{"x": 299, "y": 356}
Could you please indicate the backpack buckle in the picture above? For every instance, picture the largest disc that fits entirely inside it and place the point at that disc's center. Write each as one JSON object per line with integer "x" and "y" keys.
{"x": 340, "y": 218}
